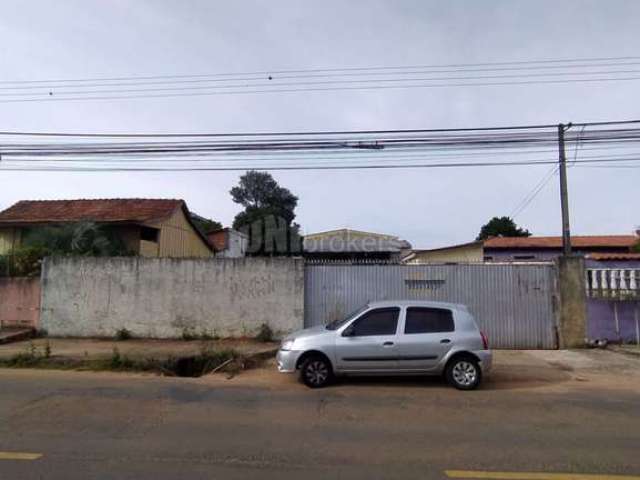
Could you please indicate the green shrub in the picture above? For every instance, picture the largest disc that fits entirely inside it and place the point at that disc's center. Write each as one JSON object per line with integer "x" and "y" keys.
{"x": 123, "y": 334}
{"x": 115, "y": 358}
{"x": 23, "y": 262}
{"x": 189, "y": 334}
{"x": 265, "y": 334}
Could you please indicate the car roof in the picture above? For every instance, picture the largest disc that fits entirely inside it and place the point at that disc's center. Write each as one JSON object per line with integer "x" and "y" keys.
{"x": 417, "y": 303}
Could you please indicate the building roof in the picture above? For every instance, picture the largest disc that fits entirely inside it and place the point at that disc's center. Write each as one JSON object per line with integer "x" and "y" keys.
{"x": 102, "y": 210}
{"x": 346, "y": 240}
{"x": 613, "y": 256}
{"x": 449, "y": 247}
{"x": 220, "y": 238}
{"x": 578, "y": 241}
{"x": 117, "y": 210}
{"x": 461, "y": 246}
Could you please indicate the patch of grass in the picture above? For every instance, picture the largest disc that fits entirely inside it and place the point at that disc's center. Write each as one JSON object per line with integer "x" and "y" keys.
{"x": 196, "y": 365}
{"x": 31, "y": 357}
{"x": 205, "y": 335}
{"x": 189, "y": 333}
{"x": 123, "y": 334}
{"x": 265, "y": 334}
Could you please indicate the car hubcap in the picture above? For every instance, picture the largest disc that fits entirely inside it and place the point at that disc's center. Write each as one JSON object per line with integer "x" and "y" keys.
{"x": 465, "y": 373}
{"x": 316, "y": 372}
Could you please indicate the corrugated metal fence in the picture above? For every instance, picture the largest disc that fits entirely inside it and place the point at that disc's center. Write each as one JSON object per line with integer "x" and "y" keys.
{"x": 512, "y": 303}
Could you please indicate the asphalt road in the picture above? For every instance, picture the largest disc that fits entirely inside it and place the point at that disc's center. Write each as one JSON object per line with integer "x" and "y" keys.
{"x": 534, "y": 415}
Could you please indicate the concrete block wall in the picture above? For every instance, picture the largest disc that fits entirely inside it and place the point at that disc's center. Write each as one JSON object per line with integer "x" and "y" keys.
{"x": 163, "y": 297}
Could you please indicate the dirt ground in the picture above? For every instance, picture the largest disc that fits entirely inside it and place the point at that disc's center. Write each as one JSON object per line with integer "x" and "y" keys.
{"x": 78, "y": 349}
{"x": 513, "y": 369}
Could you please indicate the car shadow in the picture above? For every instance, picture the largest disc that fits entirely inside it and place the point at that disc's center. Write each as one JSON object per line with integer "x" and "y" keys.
{"x": 501, "y": 378}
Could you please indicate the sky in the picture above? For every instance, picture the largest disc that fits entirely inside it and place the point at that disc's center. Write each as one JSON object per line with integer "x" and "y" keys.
{"x": 430, "y": 207}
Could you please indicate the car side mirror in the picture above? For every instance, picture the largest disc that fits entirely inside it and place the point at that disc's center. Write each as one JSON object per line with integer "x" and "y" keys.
{"x": 348, "y": 332}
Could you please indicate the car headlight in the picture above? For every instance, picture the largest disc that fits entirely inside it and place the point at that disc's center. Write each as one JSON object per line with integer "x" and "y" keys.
{"x": 287, "y": 345}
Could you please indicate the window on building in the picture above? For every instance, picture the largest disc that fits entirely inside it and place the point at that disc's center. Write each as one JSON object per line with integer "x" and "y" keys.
{"x": 524, "y": 257}
{"x": 428, "y": 320}
{"x": 382, "y": 321}
{"x": 488, "y": 258}
{"x": 149, "y": 234}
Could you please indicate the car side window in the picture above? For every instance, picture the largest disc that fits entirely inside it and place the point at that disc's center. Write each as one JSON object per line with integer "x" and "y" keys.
{"x": 428, "y": 320}
{"x": 381, "y": 321}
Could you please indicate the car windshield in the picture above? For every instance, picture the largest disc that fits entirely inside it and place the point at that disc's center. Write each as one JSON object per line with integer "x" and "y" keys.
{"x": 341, "y": 321}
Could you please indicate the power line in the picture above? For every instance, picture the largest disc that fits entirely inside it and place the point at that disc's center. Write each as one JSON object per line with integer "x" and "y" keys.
{"x": 54, "y": 98}
{"x": 318, "y": 132}
{"x": 274, "y": 80}
{"x": 303, "y": 167}
{"x": 336, "y": 70}
{"x": 317, "y": 82}
{"x": 533, "y": 193}
{"x": 393, "y": 141}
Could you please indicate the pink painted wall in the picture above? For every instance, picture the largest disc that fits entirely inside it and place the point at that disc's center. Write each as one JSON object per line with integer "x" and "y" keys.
{"x": 20, "y": 302}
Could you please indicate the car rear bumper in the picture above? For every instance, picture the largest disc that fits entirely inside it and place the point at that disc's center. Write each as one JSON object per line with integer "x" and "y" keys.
{"x": 486, "y": 359}
{"x": 287, "y": 360}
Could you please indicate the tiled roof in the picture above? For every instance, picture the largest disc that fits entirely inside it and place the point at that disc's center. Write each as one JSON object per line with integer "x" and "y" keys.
{"x": 613, "y": 256}
{"x": 137, "y": 210}
{"x": 578, "y": 241}
{"x": 218, "y": 239}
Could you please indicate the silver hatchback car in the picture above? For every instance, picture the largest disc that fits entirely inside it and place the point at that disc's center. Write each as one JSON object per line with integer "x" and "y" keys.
{"x": 391, "y": 338}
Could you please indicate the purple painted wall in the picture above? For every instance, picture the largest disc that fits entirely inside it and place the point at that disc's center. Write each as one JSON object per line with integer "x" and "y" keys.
{"x": 541, "y": 254}
{"x": 601, "y": 322}
{"x": 505, "y": 255}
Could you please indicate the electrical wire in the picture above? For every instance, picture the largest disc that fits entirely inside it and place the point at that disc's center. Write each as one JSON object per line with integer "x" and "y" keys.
{"x": 435, "y": 148}
{"x": 545, "y": 63}
{"x": 524, "y": 203}
{"x": 316, "y": 133}
{"x": 49, "y": 89}
{"x": 54, "y": 98}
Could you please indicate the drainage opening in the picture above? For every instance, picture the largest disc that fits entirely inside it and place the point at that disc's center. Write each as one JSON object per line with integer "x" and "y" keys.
{"x": 198, "y": 365}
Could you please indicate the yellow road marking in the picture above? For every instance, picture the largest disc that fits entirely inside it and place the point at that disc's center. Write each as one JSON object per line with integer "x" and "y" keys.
{"x": 19, "y": 456}
{"x": 534, "y": 475}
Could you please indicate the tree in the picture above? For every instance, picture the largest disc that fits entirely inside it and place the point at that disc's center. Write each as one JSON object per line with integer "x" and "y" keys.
{"x": 269, "y": 211}
{"x": 82, "y": 238}
{"x": 205, "y": 225}
{"x": 501, "y": 227}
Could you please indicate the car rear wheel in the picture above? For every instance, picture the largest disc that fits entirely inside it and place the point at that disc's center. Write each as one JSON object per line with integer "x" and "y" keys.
{"x": 316, "y": 372}
{"x": 464, "y": 373}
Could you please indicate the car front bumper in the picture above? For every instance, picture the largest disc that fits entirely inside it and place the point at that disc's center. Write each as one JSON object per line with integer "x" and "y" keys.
{"x": 287, "y": 360}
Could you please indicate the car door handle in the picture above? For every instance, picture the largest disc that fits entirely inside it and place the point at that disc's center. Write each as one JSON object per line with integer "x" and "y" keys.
{"x": 445, "y": 340}
{"x": 387, "y": 344}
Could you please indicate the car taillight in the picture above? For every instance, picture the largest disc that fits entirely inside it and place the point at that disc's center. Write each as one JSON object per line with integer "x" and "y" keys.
{"x": 485, "y": 341}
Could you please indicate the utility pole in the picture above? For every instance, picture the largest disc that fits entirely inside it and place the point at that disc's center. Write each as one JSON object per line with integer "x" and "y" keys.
{"x": 564, "y": 196}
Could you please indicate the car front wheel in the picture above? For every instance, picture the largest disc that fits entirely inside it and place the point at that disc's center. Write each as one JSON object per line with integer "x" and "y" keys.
{"x": 316, "y": 372}
{"x": 464, "y": 373}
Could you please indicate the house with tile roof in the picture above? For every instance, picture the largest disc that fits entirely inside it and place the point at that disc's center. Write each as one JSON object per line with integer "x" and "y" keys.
{"x": 529, "y": 249}
{"x": 148, "y": 227}
{"x": 549, "y": 248}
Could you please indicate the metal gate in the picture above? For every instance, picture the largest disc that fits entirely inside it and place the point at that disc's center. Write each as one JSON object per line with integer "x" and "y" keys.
{"x": 512, "y": 303}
